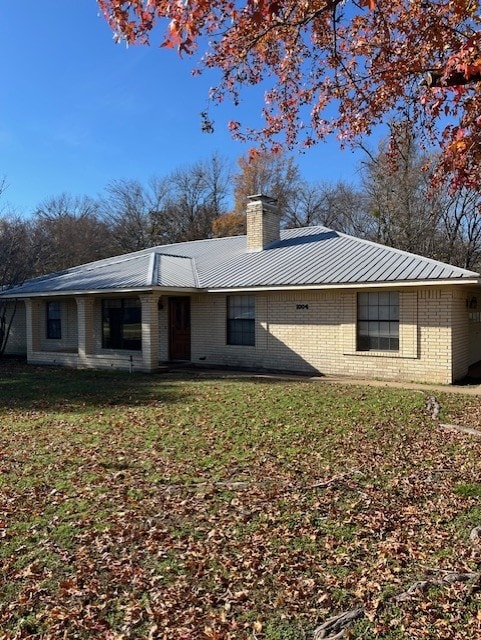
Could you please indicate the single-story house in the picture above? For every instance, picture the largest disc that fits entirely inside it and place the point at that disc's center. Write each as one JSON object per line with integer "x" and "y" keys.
{"x": 301, "y": 300}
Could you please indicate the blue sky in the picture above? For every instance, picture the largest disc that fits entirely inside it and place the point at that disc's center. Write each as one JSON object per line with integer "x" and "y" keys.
{"x": 78, "y": 111}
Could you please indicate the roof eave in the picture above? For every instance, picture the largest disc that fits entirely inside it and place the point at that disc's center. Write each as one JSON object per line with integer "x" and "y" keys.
{"x": 350, "y": 285}
{"x": 83, "y": 292}
{"x": 193, "y": 290}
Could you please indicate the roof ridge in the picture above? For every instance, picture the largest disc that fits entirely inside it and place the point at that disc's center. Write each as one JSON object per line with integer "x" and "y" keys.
{"x": 90, "y": 266}
{"x": 157, "y": 248}
{"x": 311, "y": 256}
{"x": 172, "y": 255}
{"x": 152, "y": 269}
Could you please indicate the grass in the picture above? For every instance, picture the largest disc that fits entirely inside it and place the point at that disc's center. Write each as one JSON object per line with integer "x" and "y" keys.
{"x": 185, "y": 506}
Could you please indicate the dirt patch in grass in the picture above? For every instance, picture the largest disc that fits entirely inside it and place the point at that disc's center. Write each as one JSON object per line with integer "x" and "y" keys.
{"x": 173, "y": 506}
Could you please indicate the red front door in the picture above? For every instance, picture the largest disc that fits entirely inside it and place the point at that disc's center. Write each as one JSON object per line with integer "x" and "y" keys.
{"x": 179, "y": 328}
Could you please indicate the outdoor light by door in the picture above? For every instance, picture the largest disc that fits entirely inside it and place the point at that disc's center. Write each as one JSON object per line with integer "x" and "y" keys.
{"x": 160, "y": 303}
{"x": 473, "y": 303}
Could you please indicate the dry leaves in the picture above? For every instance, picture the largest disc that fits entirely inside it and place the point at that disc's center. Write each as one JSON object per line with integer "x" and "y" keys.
{"x": 235, "y": 510}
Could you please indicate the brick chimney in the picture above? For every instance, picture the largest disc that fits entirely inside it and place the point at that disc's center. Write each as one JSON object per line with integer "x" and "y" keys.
{"x": 263, "y": 222}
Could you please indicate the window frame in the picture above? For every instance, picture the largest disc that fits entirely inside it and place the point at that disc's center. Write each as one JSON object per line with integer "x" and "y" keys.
{"x": 241, "y": 320}
{"x": 116, "y": 324}
{"x": 378, "y": 321}
{"x": 53, "y": 320}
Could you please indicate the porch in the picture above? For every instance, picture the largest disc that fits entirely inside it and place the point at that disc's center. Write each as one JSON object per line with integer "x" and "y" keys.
{"x": 94, "y": 331}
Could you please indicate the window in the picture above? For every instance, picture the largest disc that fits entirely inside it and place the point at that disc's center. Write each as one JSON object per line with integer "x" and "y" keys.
{"x": 378, "y": 321}
{"x": 54, "y": 321}
{"x": 241, "y": 314}
{"x": 122, "y": 324}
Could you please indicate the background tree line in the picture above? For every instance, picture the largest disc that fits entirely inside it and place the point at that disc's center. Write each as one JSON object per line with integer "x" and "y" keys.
{"x": 394, "y": 203}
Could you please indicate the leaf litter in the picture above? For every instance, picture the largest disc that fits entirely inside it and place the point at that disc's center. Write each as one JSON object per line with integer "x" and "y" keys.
{"x": 239, "y": 509}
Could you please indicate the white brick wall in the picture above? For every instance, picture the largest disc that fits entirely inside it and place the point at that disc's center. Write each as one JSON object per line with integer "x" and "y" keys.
{"x": 460, "y": 336}
{"x": 474, "y": 319}
{"x": 79, "y": 348}
{"x": 311, "y": 331}
{"x": 68, "y": 342}
{"x": 17, "y": 340}
{"x": 322, "y": 337}
{"x": 263, "y": 224}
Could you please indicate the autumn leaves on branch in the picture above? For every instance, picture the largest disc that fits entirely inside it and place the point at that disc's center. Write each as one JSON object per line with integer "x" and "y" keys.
{"x": 333, "y": 67}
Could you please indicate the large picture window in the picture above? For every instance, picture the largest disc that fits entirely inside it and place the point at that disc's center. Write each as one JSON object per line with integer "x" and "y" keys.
{"x": 54, "y": 321}
{"x": 241, "y": 315}
{"x": 378, "y": 321}
{"x": 122, "y": 324}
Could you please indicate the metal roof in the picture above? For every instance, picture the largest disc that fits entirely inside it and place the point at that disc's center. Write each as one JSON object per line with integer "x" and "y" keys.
{"x": 174, "y": 271}
{"x": 320, "y": 256}
{"x": 311, "y": 256}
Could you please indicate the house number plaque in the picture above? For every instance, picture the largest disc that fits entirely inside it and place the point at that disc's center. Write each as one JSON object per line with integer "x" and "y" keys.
{"x": 302, "y": 306}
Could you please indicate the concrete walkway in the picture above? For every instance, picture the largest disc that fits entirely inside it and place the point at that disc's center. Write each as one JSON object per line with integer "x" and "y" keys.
{"x": 466, "y": 389}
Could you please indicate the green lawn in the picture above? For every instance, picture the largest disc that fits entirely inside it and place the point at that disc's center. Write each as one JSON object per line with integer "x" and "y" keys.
{"x": 187, "y": 507}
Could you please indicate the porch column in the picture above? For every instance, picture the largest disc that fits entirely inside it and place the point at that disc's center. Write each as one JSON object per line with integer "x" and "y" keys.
{"x": 150, "y": 331}
{"x": 33, "y": 308}
{"x": 85, "y": 325}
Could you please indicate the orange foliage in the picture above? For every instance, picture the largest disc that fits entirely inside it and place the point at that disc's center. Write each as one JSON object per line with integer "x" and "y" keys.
{"x": 366, "y": 59}
{"x": 230, "y": 224}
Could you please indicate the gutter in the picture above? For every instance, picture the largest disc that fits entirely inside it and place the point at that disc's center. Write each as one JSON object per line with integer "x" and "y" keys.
{"x": 193, "y": 290}
{"x": 97, "y": 292}
{"x": 348, "y": 285}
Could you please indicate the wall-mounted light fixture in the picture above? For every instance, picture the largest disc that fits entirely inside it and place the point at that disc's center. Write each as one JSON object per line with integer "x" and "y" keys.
{"x": 473, "y": 303}
{"x": 160, "y": 303}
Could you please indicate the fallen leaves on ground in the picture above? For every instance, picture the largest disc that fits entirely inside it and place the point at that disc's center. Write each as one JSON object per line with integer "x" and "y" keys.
{"x": 192, "y": 507}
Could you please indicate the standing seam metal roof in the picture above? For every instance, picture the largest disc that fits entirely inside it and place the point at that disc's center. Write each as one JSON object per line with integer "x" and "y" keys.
{"x": 302, "y": 257}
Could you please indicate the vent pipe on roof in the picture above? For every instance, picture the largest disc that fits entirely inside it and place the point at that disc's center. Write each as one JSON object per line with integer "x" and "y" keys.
{"x": 263, "y": 222}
